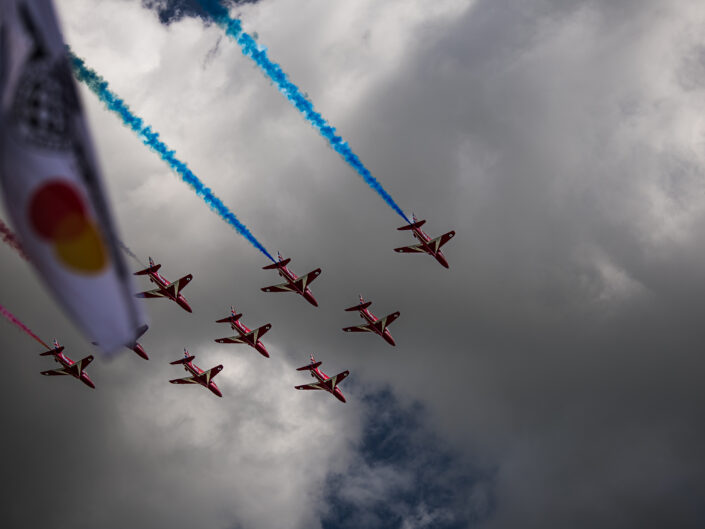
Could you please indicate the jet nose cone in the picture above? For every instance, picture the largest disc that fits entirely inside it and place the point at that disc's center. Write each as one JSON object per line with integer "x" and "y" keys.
{"x": 309, "y": 297}
{"x": 215, "y": 390}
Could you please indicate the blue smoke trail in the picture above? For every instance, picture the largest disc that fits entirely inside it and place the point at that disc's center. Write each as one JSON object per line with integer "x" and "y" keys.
{"x": 151, "y": 139}
{"x": 250, "y": 48}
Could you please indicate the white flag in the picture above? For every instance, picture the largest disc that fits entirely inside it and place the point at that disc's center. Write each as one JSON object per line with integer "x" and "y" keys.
{"x": 50, "y": 180}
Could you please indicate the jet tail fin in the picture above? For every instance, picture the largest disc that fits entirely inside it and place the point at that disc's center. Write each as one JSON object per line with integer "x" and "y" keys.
{"x": 416, "y": 224}
{"x": 361, "y": 306}
{"x": 54, "y": 351}
{"x": 309, "y": 367}
{"x": 276, "y": 265}
{"x": 184, "y": 360}
{"x": 147, "y": 271}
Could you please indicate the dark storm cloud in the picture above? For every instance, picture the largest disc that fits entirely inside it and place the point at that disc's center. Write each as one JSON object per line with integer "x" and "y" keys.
{"x": 559, "y": 360}
{"x": 572, "y": 327}
{"x": 170, "y": 11}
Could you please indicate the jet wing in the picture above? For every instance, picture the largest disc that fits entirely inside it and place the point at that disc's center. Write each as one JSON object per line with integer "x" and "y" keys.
{"x": 416, "y": 248}
{"x": 74, "y": 369}
{"x": 328, "y": 384}
{"x": 385, "y": 322}
{"x": 232, "y": 339}
{"x": 282, "y": 287}
{"x": 446, "y": 237}
{"x": 336, "y": 379}
{"x": 259, "y": 332}
{"x": 201, "y": 378}
{"x": 56, "y": 372}
{"x": 156, "y": 293}
{"x": 82, "y": 364}
{"x": 207, "y": 375}
{"x": 252, "y": 335}
{"x": 186, "y": 380}
{"x": 440, "y": 241}
{"x": 360, "y": 328}
{"x": 177, "y": 286}
{"x": 304, "y": 281}
{"x": 316, "y": 385}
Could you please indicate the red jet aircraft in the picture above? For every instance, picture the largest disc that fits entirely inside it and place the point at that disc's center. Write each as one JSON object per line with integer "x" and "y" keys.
{"x": 247, "y": 336}
{"x": 166, "y": 289}
{"x": 293, "y": 283}
{"x": 204, "y": 378}
{"x": 75, "y": 369}
{"x": 326, "y": 383}
{"x": 426, "y": 245}
{"x": 375, "y": 325}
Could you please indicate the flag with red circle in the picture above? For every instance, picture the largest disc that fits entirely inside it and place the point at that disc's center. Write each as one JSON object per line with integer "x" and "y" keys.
{"x": 50, "y": 179}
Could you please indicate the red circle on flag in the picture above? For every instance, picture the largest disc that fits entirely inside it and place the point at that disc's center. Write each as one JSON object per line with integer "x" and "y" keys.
{"x": 58, "y": 213}
{"x": 57, "y": 210}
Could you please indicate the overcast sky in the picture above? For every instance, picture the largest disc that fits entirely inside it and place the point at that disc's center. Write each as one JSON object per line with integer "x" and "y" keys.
{"x": 551, "y": 377}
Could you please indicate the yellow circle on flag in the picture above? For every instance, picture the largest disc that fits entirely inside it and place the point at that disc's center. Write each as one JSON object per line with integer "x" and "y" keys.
{"x": 84, "y": 252}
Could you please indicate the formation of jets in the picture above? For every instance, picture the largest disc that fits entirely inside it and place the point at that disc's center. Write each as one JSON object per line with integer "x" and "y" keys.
{"x": 252, "y": 338}
{"x": 67, "y": 232}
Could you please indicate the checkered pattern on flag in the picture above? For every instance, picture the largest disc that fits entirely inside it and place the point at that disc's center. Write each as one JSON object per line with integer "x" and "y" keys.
{"x": 50, "y": 179}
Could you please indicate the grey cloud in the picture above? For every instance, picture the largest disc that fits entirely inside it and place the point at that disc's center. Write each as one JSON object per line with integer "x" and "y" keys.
{"x": 562, "y": 350}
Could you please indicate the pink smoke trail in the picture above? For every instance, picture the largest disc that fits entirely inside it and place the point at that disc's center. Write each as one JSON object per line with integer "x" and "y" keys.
{"x": 11, "y": 240}
{"x": 21, "y": 325}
